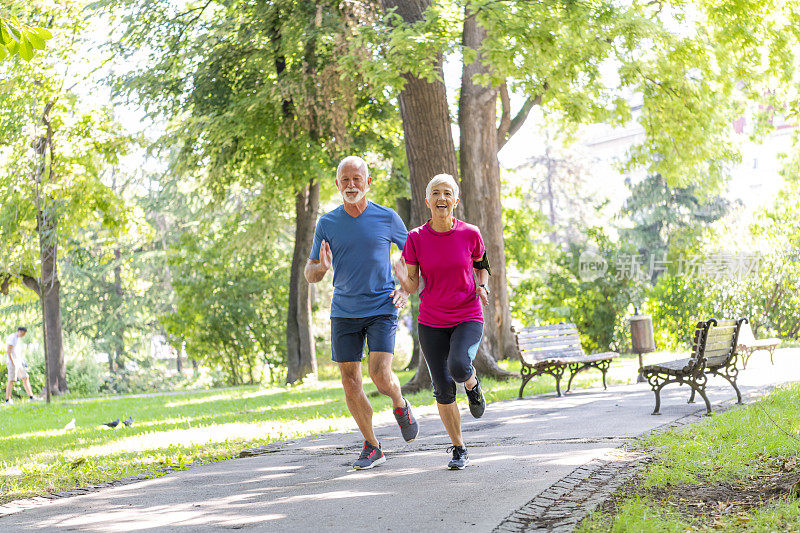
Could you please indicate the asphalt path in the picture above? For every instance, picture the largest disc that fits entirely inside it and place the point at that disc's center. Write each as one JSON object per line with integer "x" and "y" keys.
{"x": 518, "y": 449}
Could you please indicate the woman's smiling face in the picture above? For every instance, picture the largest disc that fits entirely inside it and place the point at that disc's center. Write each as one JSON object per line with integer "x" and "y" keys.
{"x": 441, "y": 201}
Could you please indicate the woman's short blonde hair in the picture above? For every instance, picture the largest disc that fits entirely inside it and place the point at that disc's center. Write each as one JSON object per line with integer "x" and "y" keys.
{"x": 440, "y": 179}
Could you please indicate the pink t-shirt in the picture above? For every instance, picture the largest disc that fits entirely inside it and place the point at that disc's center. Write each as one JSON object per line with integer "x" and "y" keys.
{"x": 445, "y": 264}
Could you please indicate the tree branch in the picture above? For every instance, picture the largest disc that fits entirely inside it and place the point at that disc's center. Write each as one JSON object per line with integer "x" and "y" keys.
{"x": 519, "y": 119}
{"x": 505, "y": 118}
{"x": 32, "y": 284}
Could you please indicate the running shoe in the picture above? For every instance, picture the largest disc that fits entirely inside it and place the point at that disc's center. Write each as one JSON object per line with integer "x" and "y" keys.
{"x": 460, "y": 458}
{"x": 370, "y": 456}
{"x": 408, "y": 424}
{"x": 477, "y": 403}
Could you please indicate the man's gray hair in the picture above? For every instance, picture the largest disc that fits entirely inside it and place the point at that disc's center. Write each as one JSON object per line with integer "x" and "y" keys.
{"x": 440, "y": 179}
{"x": 352, "y": 160}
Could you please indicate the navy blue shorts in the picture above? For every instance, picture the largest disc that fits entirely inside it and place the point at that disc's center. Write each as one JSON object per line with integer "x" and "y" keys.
{"x": 348, "y": 335}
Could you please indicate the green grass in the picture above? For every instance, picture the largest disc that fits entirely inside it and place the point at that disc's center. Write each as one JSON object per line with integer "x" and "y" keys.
{"x": 172, "y": 430}
{"x": 731, "y": 446}
{"x": 639, "y": 515}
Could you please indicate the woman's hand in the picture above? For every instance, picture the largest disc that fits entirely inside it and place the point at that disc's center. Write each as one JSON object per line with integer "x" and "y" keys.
{"x": 483, "y": 294}
{"x": 400, "y": 270}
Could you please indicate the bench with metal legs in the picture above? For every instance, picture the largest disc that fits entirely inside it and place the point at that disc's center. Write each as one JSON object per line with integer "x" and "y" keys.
{"x": 713, "y": 353}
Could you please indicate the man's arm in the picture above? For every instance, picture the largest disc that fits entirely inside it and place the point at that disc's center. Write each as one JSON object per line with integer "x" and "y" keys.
{"x": 10, "y": 353}
{"x": 315, "y": 270}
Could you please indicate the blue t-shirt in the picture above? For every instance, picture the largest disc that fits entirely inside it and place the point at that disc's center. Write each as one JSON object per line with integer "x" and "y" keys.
{"x": 362, "y": 270}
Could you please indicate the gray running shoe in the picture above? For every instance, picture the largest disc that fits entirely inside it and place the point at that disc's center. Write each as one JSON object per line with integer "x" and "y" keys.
{"x": 408, "y": 424}
{"x": 477, "y": 403}
{"x": 460, "y": 458}
{"x": 370, "y": 456}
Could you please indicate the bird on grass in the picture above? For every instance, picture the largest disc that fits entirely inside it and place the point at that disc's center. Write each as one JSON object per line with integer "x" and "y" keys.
{"x": 70, "y": 425}
{"x": 113, "y": 424}
{"x": 128, "y": 422}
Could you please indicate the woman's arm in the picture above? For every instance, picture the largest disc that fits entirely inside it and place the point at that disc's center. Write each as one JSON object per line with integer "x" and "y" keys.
{"x": 482, "y": 275}
{"x": 407, "y": 275}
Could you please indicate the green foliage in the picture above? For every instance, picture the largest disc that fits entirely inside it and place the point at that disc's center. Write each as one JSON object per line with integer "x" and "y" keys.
{"x": 667, "y": 219}
{"x": 64, "y": 177}
{"x": 677, "y": 303}
{"x": 17, "y": 38}
{"x": 260, "y": 104}
{"x": 225, "y": 304}
{"x": 84, "y": 377}
{"x": 260, "y": 96}
{"x": 552, "y": 290}
{"x": 767, "y": 296}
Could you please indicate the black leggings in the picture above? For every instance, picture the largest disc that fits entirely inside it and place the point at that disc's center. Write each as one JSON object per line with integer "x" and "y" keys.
{"x": 449, "y": 353}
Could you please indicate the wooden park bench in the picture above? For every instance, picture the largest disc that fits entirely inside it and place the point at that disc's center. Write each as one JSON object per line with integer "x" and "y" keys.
{"x": 553, "y": 350}
{"x": 713, "y": 352}
{"x": 749, "y": 344}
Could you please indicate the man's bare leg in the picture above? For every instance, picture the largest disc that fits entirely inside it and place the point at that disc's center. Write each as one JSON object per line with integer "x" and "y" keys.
{"x": 27, "y": 386}
{"x": 384, "y": 378}
{"x": 451, "y": 418}
{"x": 9, "y": 387}
{"x": 357, "y": 401}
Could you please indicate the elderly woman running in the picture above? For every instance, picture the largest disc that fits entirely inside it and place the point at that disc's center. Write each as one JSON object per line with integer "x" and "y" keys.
{"x": 446, "y": 251}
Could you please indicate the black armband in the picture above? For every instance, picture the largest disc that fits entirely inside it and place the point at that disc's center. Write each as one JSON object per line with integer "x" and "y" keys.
{"x": 483, "y": 264}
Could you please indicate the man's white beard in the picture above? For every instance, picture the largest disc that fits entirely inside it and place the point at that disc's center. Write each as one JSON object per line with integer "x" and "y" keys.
{"x": 360, "y": 196}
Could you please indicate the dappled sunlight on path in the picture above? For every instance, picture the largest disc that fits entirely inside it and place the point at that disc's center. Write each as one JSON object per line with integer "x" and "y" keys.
{"x": 517, "y": 450}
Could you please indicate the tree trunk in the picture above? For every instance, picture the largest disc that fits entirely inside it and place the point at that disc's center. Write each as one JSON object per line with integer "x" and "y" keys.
{"x": 50, "y": 294}
{"x": 48, "y": 286}
{"x": 428, "y": 139}
{"x": 480, "y": 186}
{"x": 300, "y": 354}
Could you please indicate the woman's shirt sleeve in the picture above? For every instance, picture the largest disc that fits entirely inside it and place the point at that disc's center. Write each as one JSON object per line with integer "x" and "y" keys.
{"x": 410, "y": 251}
{"x": 478, "y": 248}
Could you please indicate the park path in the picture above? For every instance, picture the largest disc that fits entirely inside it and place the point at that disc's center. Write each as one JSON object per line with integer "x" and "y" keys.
{"x": 537, "y": 464}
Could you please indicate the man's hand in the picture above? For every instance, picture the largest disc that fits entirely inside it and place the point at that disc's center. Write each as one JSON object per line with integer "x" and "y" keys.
{"x": 399, "y": 298}
{"x": 325, "y": 255}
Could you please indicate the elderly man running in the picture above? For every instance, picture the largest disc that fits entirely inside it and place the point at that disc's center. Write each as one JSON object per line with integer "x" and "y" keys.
{"x": 355, "y": 239}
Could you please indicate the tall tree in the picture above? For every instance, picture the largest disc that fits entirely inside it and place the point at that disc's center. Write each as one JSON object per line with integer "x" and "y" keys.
{"x": 271, "y": 105}
{"x": 55, "y": 150}
{"x": 480, "y": 179}
{"x": 428, "y": 138}
{"x": 552, "y": 54}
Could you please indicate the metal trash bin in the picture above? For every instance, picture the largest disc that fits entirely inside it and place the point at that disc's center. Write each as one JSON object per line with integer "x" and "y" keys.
{"x": 642, "y": 338}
